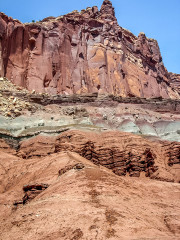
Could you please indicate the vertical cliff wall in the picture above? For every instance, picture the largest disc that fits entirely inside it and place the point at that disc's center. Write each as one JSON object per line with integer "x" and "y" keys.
{"x": 175, "y": 81}
{"x": 82, "y": 52}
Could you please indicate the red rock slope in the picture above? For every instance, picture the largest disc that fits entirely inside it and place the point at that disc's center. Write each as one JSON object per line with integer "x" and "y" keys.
{"x": 64, "y": 196}
{"x": 125, "y": 154}
{"x": 80, "y": 52}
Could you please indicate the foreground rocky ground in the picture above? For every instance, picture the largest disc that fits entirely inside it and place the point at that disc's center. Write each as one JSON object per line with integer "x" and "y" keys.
{"x": 89, "y": 185}
{"x": 99, "y": 159}
{"x": 65, "y": 196}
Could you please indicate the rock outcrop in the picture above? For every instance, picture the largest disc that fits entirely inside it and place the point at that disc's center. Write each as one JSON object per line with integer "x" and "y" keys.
{"x": 125, "y": 154}
{"x": 66, "y": 169}
{"x": 175, "y": 81}
{"x": 83, "y": 203}
{"x": 82, "y": 52}
{"x": 31, "y": 191}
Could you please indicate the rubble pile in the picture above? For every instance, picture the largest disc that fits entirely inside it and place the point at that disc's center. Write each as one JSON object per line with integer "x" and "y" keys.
{"x": 12, "y": 106}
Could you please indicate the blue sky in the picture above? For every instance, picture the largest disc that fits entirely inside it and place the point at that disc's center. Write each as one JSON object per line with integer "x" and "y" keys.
{"x": 158, "y": 19}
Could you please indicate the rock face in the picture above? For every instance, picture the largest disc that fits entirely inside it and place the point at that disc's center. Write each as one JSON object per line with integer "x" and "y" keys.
{"x": 82, "y": 52}
{"x": 31, "y": 191}
{"x": 125, "y": 154}
{"x": 175, "y": 81}
{"x": 82, "y": 203}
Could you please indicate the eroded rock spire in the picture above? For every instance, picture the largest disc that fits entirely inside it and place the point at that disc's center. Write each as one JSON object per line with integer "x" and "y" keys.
{"x": 107, "y": 8}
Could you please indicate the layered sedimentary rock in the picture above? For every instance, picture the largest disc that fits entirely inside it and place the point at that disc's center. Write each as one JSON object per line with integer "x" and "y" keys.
{"x": 125, "y": 154}
{"x": 81, "y": 52}
{"x": 175, "y": 81}
{"x": 83, "y": 203}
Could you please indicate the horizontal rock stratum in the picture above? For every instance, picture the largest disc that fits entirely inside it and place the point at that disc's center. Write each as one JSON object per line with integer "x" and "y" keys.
{"x": 83, "y": 52}
{"x": 62, "y": 188}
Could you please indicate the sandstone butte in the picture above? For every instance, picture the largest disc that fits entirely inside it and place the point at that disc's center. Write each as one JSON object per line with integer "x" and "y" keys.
{"x": 67, "y": 172}
{"x": 83, "y": 52}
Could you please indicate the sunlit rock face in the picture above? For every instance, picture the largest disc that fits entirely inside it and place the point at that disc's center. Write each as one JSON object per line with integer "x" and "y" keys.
{"x": 82, "y": 52}
{"x": 175, "y": 81}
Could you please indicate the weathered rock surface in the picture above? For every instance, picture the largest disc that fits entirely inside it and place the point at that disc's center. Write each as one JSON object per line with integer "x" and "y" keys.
{"x": 66, "y": 170}
{"x": 12, "y": 99}
{"x": 51, "y": 115}
{"x": 31, "y": 191}
{"x": 4, "y": 147}
{"x": 175, "y": 81}
{"x": 86, "y": 203}
{"x": 125, "y": 154}
{"x": 82, "y": 52}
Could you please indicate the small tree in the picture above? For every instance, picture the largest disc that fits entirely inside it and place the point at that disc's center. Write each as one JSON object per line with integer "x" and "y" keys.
{"x": 33, "y": 20}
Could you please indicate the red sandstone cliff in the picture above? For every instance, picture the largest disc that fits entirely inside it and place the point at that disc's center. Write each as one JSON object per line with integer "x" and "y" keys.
{"x": 175, "y": 81}
{"x": 80, "y": 52}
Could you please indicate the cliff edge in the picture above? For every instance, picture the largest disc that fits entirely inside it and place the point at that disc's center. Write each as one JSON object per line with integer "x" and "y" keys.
{"x": 83, "y": 52}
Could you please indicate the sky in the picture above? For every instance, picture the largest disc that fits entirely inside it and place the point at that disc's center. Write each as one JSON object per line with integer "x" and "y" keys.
{"x": 158, "y": 19}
